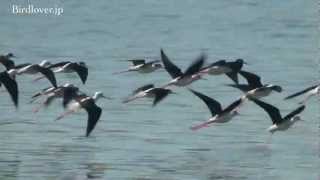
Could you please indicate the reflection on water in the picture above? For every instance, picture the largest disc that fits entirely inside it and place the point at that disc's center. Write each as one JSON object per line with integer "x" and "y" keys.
{"x": 9, "y": 169}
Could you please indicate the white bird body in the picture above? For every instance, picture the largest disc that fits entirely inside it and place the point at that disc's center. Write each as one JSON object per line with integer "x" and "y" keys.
{"x": 64, "y": 69}
{"x": 313, "y": 92}
{"x": 184, "y": 81}
{"x": 218, "y": 114}
{"x": 223, "y": 118}
{"x": 218, "y": 70}
{"x": 219, "y": 118}
{"x": 141, "y": 66}
{"x": 149, "y": 91}
{"x": 31, "y": 69}
{"x": 179, "y": 78}
{"x": 144, "y": 68}
{"x": 284, "y": 125}
{"x": 279, "y": 123}
{"x": 259, "y": 93}
{"x": 28, "y": 70}
{"x": 76, "y": 106}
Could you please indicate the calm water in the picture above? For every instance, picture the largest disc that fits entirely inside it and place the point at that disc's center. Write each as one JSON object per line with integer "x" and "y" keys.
{"x": 278, "y": 39}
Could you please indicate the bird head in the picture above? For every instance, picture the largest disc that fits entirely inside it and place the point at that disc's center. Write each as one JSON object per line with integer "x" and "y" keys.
{"x": 81, "y": 63}
{"x": 276, "y": 88}
{"x": 241, "y": 61}
{"x": 9, "y": 55}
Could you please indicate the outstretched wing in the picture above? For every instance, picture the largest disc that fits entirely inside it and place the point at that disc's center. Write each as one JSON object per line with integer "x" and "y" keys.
{"x": 253, "y": 79}
{"x": 19, "y": 66}
{"x": 48, "y": 73}
{"x": 82, "y": 71}
{"x": 196, "y": 65}
{"x": 152, "y": 62}
{"x": 272, "y": 111}
{"x": 233, "y": 105}
{"x": 59, "y": 64}
{"x": 172, "y": 69}
{"x": 143, "y": 88}
{"x": 235, "y": 65}
{"x": 301, "y": 92}
{"x": 295, "y": 112}
{"x": 213, "y": 105}
{"x": 94, "y": 113}
{"x": 242, "y": 87}
{"x": 11, "y": 86}
{"x": 233, "y": 76}
{"x": 160, "y": 94}
{"x": 69, "y": 93}
{"x": 136, "y": 62}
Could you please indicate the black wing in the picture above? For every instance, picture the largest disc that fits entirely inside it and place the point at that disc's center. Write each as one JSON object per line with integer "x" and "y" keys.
{"x": 19, "y": 66}
{"x": 235, "y": 65}
{"x": 242, "y": 87}
{"x": 48, "y": 73}
{"x": 82, "y": 71}
{"x": 172, "y": 69}
{"x": 253, "y": 79}
{"x": 232, "y": 106}
{"x": 196, "y": 65}
{"x": 272, "y": 111}
{"x": 11, "y": 86}
{"x": 60, "y": 64}
{"x": 213, "y": 105}
{"x": 69, "y": 93}
{"x": 301, "y": 92}
{"x": 295, "y": 112}
{"x": 152, "y": 62}
{"x": 43, "y": 91}
{"x": 233, "y": 76}
{"x": 143, "y": 88}
{"x": 136, "y": 62}
{"x": 94, "y": 113}
{"x": 160, "y": 94}
{"x": 217, "y": 63}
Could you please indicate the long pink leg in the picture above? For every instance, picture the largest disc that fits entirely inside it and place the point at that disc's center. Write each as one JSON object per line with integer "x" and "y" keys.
{"x": 121, "y": 72}
{"x": 37, "y": 109}
{"x": 130, "y": 99}
{"x": 196, "y": 127}
{"x": 64, "y": 114}
{"x": 38, "y": 78}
